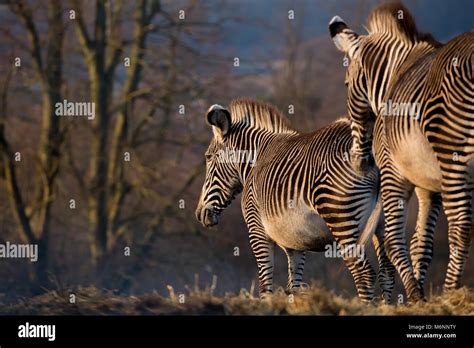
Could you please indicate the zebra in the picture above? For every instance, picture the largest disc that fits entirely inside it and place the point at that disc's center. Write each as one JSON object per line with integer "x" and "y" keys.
{"x": 300, "y": 193}
{"x": 431, "y": 86}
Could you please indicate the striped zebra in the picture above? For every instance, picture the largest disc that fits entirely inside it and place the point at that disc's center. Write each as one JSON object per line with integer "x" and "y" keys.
{"x": 411, "y": 102}
{"x": 299, "y": 191}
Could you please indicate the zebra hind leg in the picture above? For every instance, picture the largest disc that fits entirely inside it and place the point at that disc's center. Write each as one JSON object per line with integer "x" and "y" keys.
{"x": 361, "y": 270}
{"x": 421, "y": 245}
{"x": 458, "y": 208}
{"x": 386, "y": 273}
{"x": 296, "y": 260}
{"x": 354, "y": 255}
{"x": 395, "y": 194}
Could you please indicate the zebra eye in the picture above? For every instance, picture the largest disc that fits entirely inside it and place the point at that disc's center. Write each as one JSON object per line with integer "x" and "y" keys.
{"x": 208, "y": 156}
{"x": 346, "y": 82}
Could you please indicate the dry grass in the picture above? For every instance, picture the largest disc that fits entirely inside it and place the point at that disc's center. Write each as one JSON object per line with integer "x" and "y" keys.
{"x": 314, "y": 301}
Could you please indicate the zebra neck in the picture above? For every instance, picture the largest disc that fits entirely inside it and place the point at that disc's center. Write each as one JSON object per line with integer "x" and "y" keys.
{"x": 253, "y": 147}
{"x": 395, "y": 67}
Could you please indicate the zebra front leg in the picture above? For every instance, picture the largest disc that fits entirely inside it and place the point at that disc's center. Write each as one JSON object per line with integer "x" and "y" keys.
{"x": 296, "y": 260}
{"x": 386, "y": 274}
{"x": 395, "y": 195}
{"x": 421, "y": 245}
{"x": 263, "y": 249}
{"x": 457, "y": 206}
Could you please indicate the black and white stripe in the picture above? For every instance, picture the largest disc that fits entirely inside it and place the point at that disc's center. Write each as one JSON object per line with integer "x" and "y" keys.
{"x": 297, "y": 178}
{"x": 396, "y": 63}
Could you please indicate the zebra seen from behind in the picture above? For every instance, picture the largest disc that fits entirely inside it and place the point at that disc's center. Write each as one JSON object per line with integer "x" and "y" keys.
{"x": 411, "y": 101}
{"x": 298, "y": 192}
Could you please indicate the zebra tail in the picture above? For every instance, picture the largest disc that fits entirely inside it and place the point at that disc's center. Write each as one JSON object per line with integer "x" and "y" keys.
{"x": 372, "y": 222}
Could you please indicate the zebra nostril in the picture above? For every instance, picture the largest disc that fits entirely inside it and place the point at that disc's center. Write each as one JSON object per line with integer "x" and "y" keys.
{"x": 208, "y": 217}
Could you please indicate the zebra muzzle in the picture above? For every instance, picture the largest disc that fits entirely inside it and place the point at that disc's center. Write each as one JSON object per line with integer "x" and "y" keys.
{"x": 207, "y": 216}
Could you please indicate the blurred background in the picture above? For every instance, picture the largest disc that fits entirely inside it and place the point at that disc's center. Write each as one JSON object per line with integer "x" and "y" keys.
{"x": 110, "y": 202}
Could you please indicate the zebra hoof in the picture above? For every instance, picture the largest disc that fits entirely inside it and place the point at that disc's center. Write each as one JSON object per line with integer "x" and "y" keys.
{"x": 296, "y": 291}
{"x": 415, "y": 298}
{"x": 266, "y": 296}
{"x": 386, "y": 299}
{"x": 450, "y": 288}
{"x": 369, "y": 300}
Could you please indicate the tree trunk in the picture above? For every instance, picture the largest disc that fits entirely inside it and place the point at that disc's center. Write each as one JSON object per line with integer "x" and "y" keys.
{"x": 106, "y": 183}
{"x": 35, "y": 227}
{"x": 51, "y": 138}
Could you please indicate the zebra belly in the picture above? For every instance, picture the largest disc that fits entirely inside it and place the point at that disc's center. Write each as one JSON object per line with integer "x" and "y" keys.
{"x": 415, "y": 159}
{"x": 300, "y": 228}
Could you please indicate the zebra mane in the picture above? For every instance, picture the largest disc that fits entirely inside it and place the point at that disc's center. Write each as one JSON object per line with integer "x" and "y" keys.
{"x": 253, "y": 113}
{"x": 385, "y": 19}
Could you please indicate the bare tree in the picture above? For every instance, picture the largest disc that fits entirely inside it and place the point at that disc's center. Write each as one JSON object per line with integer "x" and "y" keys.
{"x": 102, "y": 52}
{"x": 34, "y": 218}
{"x": 294, "y": 76}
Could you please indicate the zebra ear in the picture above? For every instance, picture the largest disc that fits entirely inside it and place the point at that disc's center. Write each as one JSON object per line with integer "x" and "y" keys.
{"x": 219, "y": 118}
{"x": 343, "y": 37}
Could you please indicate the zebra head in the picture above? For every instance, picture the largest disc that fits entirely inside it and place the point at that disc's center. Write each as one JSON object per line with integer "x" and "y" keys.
{"x": 222, "y": 183}
{"x": 359, "y": 109}
{"x": 375, "y": 60}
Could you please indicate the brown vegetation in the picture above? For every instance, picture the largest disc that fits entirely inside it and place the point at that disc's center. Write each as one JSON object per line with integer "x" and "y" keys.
{"x": 314, "y": 301}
